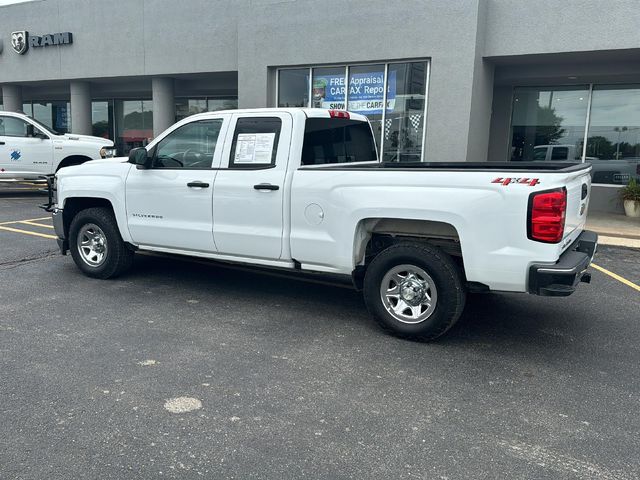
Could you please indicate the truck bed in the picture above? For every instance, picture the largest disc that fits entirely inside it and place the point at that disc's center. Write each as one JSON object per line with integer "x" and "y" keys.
{"x": 548, "y": 167}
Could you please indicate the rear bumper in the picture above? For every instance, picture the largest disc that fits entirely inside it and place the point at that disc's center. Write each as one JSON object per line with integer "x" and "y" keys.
{"x": 560, "y": 280}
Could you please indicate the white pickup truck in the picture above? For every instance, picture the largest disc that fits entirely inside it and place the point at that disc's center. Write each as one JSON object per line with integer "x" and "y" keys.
{"x": 302, "y": 190}
{"x": 30, "y": 150}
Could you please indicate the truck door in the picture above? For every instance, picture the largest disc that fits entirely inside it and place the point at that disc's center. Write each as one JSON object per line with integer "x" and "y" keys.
{"x": 169, "y": 205}
{"x": 20, "y": 151}
{"x": 248, "y": 194}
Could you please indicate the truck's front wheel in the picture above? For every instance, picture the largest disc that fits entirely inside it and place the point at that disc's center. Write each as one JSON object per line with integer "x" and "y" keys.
{"x": 96, "y": 245}
{"x": 414, "y": 291}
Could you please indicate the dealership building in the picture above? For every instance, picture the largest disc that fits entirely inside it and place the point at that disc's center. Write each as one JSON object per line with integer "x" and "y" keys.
{"x": 440, "y": 80}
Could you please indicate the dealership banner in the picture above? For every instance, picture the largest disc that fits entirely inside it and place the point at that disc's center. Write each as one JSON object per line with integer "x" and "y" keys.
{"x": 366, "y": 92}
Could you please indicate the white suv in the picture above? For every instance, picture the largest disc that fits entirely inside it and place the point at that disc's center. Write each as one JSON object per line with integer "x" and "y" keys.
{"x": 30, "y": 150}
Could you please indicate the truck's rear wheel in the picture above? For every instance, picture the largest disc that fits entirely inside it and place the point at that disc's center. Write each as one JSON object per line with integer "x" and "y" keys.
{"x": 96, "y": 245}
{"x": 414, "y": 291}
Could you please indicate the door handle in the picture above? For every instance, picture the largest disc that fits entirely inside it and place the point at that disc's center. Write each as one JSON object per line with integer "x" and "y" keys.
{"x": 1, "y": 143}
{"x": 197, "y": 184}
{"x": 266, "y": 186}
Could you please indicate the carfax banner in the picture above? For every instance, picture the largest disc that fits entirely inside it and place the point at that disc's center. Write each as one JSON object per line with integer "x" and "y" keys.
{"x": 366, "y": 92}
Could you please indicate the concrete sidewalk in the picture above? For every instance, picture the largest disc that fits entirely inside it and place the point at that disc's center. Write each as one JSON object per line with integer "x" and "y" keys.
{"x": 615, "y": 229}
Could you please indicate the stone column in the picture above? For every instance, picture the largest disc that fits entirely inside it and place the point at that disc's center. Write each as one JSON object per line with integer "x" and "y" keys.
{"x": 81, "y": 108}
{"x": 164, "y": 105}
{"x": 12, "y": 98}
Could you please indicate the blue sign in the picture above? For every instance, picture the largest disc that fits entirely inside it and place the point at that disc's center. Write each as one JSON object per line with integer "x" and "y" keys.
{"x": 15, "y": 155}
{"x": 366, "y": 92}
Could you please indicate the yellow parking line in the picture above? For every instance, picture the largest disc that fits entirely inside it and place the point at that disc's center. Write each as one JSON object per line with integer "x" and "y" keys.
{"x": 27, "y": 232}
{"x": 617, "y": 277}
{"x": 29, "y": 222}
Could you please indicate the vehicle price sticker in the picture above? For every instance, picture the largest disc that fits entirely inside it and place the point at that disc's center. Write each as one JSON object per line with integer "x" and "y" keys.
{"x": 254, "y": 148}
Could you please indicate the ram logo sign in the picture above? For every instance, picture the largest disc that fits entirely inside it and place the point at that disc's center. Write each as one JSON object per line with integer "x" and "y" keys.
{"x": 21, "y": 41}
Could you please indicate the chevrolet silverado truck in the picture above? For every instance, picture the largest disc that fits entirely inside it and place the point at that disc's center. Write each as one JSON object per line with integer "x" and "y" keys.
{"x": 303, "y": 190}
{"x": 30, "y": 150}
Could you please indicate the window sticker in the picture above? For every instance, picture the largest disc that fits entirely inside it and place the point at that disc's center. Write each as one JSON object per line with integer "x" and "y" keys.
{"x": 254, "y": 148}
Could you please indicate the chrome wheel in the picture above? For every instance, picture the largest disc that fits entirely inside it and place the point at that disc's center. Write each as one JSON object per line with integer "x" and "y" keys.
{"x": 92, "y": 245}
{"x": 408, "y": 293}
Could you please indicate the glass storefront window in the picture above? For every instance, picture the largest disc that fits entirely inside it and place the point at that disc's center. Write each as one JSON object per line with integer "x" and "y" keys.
{"x": 102, "y": 119}
{"x": 134, "y": 124}
{"x": 548, "y": 123}
{"x": 186, "y": 107}
{"x": 328, "y": 88}
{"x": 214, "y": 104}
{"x": 404, "y": 120}
{"x": 55, "y": 115}
{"x": 366, "y": 94}
{"x": 398, "y": 128}
{"x": 293, "y": 88}
{"x": 613, "y": 139}
{"x": 190, "y": 106}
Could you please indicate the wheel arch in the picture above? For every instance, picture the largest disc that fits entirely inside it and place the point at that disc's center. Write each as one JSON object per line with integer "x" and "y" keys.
{"x": 373, "y": 235}
{"x": 74, "y": 205}
{"x": 72, "y": 160}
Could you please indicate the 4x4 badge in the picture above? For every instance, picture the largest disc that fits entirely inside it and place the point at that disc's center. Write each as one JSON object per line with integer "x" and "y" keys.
{"x": 532, "y": 182}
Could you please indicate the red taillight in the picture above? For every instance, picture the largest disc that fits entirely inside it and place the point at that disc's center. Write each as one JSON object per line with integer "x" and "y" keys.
{"x": 338, "y": 114}
{"x": 547, "y": 211}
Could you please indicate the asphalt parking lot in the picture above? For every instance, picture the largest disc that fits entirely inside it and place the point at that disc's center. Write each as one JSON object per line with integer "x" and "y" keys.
{"x": 291, "y": 379}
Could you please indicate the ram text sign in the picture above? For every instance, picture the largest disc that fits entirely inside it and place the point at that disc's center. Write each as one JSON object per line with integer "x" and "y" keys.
{"x": 21, "y": 40}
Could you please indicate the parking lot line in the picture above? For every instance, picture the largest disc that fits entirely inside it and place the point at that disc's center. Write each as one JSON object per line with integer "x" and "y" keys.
{"x": 29, "y": 222}
{"x": 617, "y": 277}
{"x": 26, "y": 232}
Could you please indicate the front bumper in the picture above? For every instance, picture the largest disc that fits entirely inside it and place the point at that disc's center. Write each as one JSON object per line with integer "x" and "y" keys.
{"x": 560, "y": 280}
{"x": 58, "y": 226}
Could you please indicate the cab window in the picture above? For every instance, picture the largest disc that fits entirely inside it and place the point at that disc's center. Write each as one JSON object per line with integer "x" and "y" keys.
{"x": 191, "y": 146}
{"x": 337, "y": 140}
{"x": 540, "y": 153}
{"x": 255, "y": 142}
{"x": 13, "y": 127}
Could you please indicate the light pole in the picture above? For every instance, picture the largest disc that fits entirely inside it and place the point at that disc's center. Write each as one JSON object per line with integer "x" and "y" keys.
{"x": 619, "y": 130}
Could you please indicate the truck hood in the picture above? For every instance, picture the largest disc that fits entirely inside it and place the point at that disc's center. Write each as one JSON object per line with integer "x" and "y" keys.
{"x": 106, "y": 166}
{"x": 104, "y": 142}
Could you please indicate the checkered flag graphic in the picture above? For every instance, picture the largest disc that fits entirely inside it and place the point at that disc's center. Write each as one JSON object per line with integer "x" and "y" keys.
{"x": 415, "y": 120}
{"x": 387, "y": 127}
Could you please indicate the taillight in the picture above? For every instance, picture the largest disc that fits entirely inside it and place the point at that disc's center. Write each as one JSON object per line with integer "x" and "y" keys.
{"x": 547, "y": 211}
{"x": 338, "y": 114}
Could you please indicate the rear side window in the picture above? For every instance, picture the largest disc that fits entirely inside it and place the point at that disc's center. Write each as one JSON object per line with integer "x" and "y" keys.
{"x": 560, "y": 153}
{"x": 337, "y": 140}
{"x": 255, "y": 142}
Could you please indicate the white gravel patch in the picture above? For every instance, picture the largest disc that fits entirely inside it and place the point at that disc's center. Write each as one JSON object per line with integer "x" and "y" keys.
{"x": 182, "y": 404}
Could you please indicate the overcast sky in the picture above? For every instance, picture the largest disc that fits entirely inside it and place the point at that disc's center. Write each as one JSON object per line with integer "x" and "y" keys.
{"x": 9, "y": 2}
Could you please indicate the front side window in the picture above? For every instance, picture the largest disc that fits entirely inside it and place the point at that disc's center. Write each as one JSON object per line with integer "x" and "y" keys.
{"x": 190, "y": 146}
{"x": 337, "y": 140}
{"x": 255, "y": 142}
{"x": 13, "y": 127}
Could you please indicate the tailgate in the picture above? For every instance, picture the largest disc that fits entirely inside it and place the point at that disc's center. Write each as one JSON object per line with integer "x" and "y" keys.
{"x": 578, "y": 186}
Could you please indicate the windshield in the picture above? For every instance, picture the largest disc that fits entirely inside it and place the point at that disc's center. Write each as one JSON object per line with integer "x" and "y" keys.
{"x": 44, "y": 127}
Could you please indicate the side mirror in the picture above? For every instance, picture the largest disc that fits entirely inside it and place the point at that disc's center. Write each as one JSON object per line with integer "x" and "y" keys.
{"x": 140, "y": 157}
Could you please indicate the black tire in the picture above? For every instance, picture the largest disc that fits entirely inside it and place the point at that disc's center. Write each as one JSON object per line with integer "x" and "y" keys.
{"x": 450, "y": 293}
{"x": 117, "y": 257}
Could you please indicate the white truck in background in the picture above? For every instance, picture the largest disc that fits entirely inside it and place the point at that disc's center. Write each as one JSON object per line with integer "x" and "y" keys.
{"x": 301, "y": 190}
{"x": 30, "y": 150}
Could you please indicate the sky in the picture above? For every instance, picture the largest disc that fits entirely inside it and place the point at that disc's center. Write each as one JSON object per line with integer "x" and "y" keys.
{"x": 9, "y": 2}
